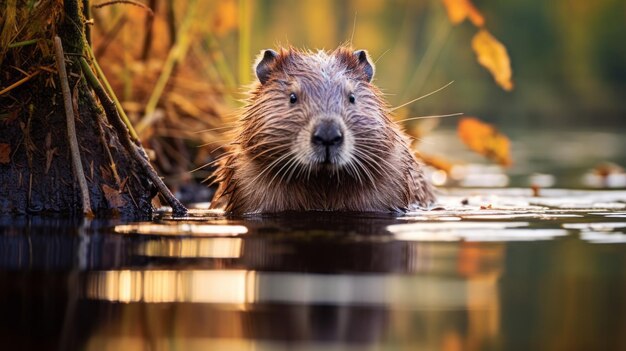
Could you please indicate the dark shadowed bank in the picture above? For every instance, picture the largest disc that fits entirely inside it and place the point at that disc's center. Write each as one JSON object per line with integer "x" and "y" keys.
{"x": 36, "y": 174}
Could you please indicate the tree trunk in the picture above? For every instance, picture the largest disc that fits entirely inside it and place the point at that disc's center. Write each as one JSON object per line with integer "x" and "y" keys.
{"x": 36, "y": 173}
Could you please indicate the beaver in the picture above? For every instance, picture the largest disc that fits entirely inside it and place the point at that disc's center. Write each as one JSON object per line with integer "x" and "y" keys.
{"x": 316, "y": 134}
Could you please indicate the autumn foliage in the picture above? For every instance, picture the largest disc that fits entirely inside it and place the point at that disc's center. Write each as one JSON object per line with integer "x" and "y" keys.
{"x": 484, "y": 139}
{"x": 479, "y": 136}
{"x": 459, "y": 10}
{"x": 490, "y": 53}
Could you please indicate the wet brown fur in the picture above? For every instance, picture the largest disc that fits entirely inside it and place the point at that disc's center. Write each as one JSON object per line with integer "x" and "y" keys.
{"x": 259, "y": 175}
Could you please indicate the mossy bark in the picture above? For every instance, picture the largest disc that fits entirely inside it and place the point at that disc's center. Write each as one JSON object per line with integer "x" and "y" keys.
{"x": 35, "y": 162}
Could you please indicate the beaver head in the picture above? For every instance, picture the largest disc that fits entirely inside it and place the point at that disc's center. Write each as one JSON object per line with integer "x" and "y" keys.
{"x": 316, "y": 112}
{"x": 316, "y": 135}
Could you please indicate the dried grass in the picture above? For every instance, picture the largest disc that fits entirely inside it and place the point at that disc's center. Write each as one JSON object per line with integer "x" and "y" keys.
{"x": 180, "y": 87}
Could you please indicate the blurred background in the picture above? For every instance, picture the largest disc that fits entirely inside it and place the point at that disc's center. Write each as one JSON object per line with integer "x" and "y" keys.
{"x": 487, "y": 281}
{"x": 182, "y": 68}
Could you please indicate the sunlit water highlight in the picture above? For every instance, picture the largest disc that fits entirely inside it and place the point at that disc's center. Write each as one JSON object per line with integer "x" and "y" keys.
{"x": 486, "y": 269}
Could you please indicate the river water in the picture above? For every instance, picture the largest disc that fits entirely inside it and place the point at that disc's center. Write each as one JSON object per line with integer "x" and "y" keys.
{"x": 492, "y": 269}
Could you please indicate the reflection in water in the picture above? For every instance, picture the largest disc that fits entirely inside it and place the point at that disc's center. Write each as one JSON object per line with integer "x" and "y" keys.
{"x": 193, "y": 247}
{"x": 472, "y": 231}
{"x": 458, "y": 279}
{"x": 429, "y": 295}
{"x": 181, "y": 229}
{"x": 225, "y": 287}
{"x": 238, "y": 287}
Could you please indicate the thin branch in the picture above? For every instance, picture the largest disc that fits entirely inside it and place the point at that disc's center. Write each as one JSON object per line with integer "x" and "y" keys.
{"x": 122, "y": 131}
{"x": 148, "y": 29}
{"x": 126, "y": 2}
{"x": 71, "y": 128}
{"x": 176, "y": 53}
{"x": 19, "y": 82}
{"x": 23, "y": 43}
{"x": 110, "y": 36}
{"x": 87, "y": 16}
{"x": 171, "y": 22}
{"x": 111, "y": 93}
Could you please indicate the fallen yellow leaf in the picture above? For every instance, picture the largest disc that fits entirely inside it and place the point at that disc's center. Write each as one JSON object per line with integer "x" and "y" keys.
{"x": 484, "y": 139}
{"x": 459, "y": 10}
{"x": 493, "y": 56}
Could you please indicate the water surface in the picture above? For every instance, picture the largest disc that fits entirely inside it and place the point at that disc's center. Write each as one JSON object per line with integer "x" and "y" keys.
{"x": 493, "y": 269}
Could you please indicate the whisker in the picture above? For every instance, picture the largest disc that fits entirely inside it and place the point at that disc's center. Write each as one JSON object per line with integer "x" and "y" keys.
{"x": 272, "y": 149}
{"x": 295, "y": 167}
{"x": 292, "y": 153}
{"x": 373, "y": 154}
{"x": 353, "y": 28}
{"x": 352, "y": 167}
{"x": 365, "y": 169}
{"x": 212, "y": 142}
{"x": 214, "y": 129}
{"x": 204, "y": 165}
{"x": 422, "y": 97}
{"x": 431, "y": 116}
{"x": 381, "y": 56}
{"x": 270, "y": 166}
{"x": 367, "y": 172}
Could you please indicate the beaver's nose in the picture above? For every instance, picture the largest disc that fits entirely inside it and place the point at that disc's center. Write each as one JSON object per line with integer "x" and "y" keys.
{"x": 327, "y": 134}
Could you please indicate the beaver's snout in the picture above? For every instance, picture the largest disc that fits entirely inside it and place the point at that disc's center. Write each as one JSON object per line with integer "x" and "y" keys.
{"x": 327, "y": 139}
{"x": 327, "y": 134}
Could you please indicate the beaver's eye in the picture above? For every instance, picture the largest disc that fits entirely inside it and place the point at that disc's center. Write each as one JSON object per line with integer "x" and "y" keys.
{"x": 293, "y": 98}
{"x": 351, "y": 98}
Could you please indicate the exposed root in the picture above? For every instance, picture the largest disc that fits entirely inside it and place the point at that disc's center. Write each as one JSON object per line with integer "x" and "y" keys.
{"x": 71, "y": 128}
{"x": 136, "y": 153}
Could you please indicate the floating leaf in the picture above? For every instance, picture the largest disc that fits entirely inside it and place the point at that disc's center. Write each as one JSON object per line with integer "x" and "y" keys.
{"x": 5, "y": 153}
{"x": 493, "y": 56}
{"x": 459, "y": 10}
{"x": 485, "y": 140}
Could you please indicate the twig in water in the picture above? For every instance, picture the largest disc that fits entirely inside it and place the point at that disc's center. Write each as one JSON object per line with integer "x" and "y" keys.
{"x": 71, "y": 127}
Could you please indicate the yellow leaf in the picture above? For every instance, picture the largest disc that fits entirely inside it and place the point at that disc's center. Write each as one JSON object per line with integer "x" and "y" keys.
{"x": 493, "y": 56}
{"x": 225, "y": 18}
{"x": 459, "y": 10}
{"x": 484, "y": 139}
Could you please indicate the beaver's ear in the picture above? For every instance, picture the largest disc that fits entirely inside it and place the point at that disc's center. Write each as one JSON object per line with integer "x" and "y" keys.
{"x": 365, "y": 64}
{"x": 264, "y": 65}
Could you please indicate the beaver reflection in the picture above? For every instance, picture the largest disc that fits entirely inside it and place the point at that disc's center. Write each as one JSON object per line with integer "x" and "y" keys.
{"x": 433, "y": 292}
{"x": 347, "y": 287}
